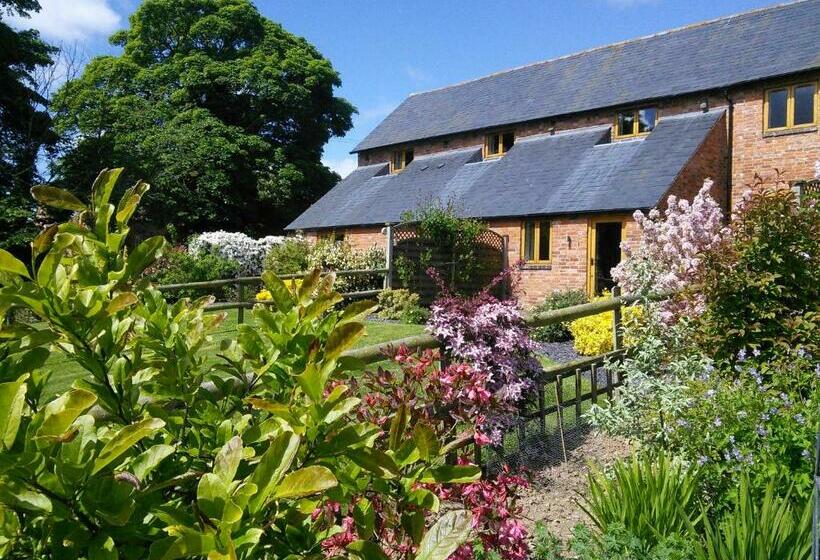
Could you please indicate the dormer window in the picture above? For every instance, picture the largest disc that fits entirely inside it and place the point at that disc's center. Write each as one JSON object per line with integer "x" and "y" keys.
{"x": 498, "y": 143}
{"x": 635, "y": 122}
{"x": 400, "y": 160}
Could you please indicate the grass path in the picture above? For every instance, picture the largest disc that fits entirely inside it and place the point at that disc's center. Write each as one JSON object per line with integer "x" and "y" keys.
{"x": 66, "y": 371}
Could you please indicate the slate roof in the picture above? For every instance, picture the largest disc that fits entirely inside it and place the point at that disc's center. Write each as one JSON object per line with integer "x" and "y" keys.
{"x": 577, "y": 171}
{"x": 737, "y": 49}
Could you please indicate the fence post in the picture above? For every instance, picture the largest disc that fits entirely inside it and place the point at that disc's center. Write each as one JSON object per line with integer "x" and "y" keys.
{"x": 616, "y": 321}
{"x": 559, "y": 404}
{"x": 593, "y": 382}
{"x": 240, "y": 295}
{"x": 388, "y": 257}
{"x": 578, "y": 391}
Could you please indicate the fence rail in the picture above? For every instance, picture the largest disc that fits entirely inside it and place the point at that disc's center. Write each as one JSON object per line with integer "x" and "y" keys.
{"x": 241, "y": 304}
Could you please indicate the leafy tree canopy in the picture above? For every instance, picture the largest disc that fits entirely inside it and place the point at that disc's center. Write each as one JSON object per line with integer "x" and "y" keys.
{"x": 221, "y": 109}
{"x": 25, "y": 126}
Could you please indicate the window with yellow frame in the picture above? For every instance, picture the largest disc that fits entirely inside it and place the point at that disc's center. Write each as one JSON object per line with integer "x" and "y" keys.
{"x": 497, "y": 144}
{"x": 635, "y": 122}
{"x": 792, "y": 106}
{"x": 536, "y": 241}
{"x": 401, "y": 159}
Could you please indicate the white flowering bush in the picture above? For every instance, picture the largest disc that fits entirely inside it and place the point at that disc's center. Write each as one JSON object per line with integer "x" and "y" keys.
{"x": 668, "y": 257}
{"x": 340, "y": 255}
{"x": 247, "y": 251}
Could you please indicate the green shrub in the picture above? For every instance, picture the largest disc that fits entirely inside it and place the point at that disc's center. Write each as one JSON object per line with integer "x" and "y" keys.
{"x": 415, "y": 315}
{"x": 298, "y": 255}
{"x": 557, "y": 332}
{"x": 142, "y": 459}
{"x": 617, "y": 543}
{"x": 289, "y": 257}
{"x": 762, "y": 288}
{"x": 545, "y": 545}
{"x": 761, "y": 529}
{"x": 758, "y": 417}
{"x": 392, "y": 303}
{"x": 450, "y": 244}
{"x": 652, "y": 497}
{"x": 178, "y": 266}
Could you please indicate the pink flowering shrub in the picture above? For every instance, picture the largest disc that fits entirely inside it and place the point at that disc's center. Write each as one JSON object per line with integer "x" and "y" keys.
{"x": 488, "y": 334}
{"x": 668, "y": 257}
{"x": 495, "y": 510}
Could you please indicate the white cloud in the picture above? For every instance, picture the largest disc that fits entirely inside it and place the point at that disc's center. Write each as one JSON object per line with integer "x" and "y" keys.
{"x": 71, "y": 20}
{"x": 343, "y": 166}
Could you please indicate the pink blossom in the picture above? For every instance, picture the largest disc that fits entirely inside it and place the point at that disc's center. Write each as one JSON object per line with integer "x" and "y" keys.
{"x": 667, "y": 258}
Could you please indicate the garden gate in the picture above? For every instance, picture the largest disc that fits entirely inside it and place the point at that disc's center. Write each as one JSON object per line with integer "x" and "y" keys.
{"x": 465, "y": 272}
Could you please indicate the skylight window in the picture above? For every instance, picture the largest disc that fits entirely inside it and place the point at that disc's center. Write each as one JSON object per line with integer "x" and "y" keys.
{"x": 400, "y": 160}
{"x": 635, "y": 122}
{"x": 498, "y": 143}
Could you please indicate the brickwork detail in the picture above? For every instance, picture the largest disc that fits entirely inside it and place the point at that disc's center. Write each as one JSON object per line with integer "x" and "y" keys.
{"x": 792, "y": 154}
{"x": 709, "y": 162}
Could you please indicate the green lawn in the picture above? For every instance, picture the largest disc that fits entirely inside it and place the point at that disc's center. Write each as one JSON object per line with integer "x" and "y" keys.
{"x": 66, "y": 371}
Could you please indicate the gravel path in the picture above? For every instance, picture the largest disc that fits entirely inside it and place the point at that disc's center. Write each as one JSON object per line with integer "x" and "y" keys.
{"x": 558, "y": 351}
{"x": 552, "y": 496}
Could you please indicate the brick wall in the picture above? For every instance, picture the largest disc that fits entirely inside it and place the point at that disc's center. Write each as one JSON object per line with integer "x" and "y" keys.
{"x": 365, "y": 237}
{"x": 709, "y": 162}
{"x": 569, "y": 257}
{"x": 568, "y": 260}
{"x": 793, "y": 153}
{"x": 358, "y": 237}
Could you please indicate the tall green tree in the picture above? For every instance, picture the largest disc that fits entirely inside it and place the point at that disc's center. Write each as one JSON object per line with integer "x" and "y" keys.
{"x": 25, "y": 125}
{"x": 223, "y": 111}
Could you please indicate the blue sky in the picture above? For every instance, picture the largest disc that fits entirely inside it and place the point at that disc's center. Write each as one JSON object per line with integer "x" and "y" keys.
{"x": 386, "y": 50}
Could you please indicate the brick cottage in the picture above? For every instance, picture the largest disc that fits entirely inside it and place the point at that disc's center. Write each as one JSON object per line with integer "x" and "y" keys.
{"x": 557, "y": 155}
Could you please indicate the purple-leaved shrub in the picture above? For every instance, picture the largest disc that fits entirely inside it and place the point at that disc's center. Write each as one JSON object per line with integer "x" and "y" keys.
{"x": 489, "y": 334}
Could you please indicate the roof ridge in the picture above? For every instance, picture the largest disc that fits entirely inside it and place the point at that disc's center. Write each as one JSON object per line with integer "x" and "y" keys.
{"x": 618, "y": 44}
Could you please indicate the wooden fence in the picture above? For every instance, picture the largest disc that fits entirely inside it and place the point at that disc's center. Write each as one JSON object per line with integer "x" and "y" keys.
{"x": 552, "y": 380}
{"x": 550, "y": 383}
{"x": 241, "y": 284}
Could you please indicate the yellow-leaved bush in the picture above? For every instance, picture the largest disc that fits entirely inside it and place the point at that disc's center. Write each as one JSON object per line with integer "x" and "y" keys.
{"x": 292, "y": 284}
{"x": 593, "y": 335}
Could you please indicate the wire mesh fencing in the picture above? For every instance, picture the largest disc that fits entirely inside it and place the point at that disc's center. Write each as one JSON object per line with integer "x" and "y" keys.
{"x": 551, "y": 421}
